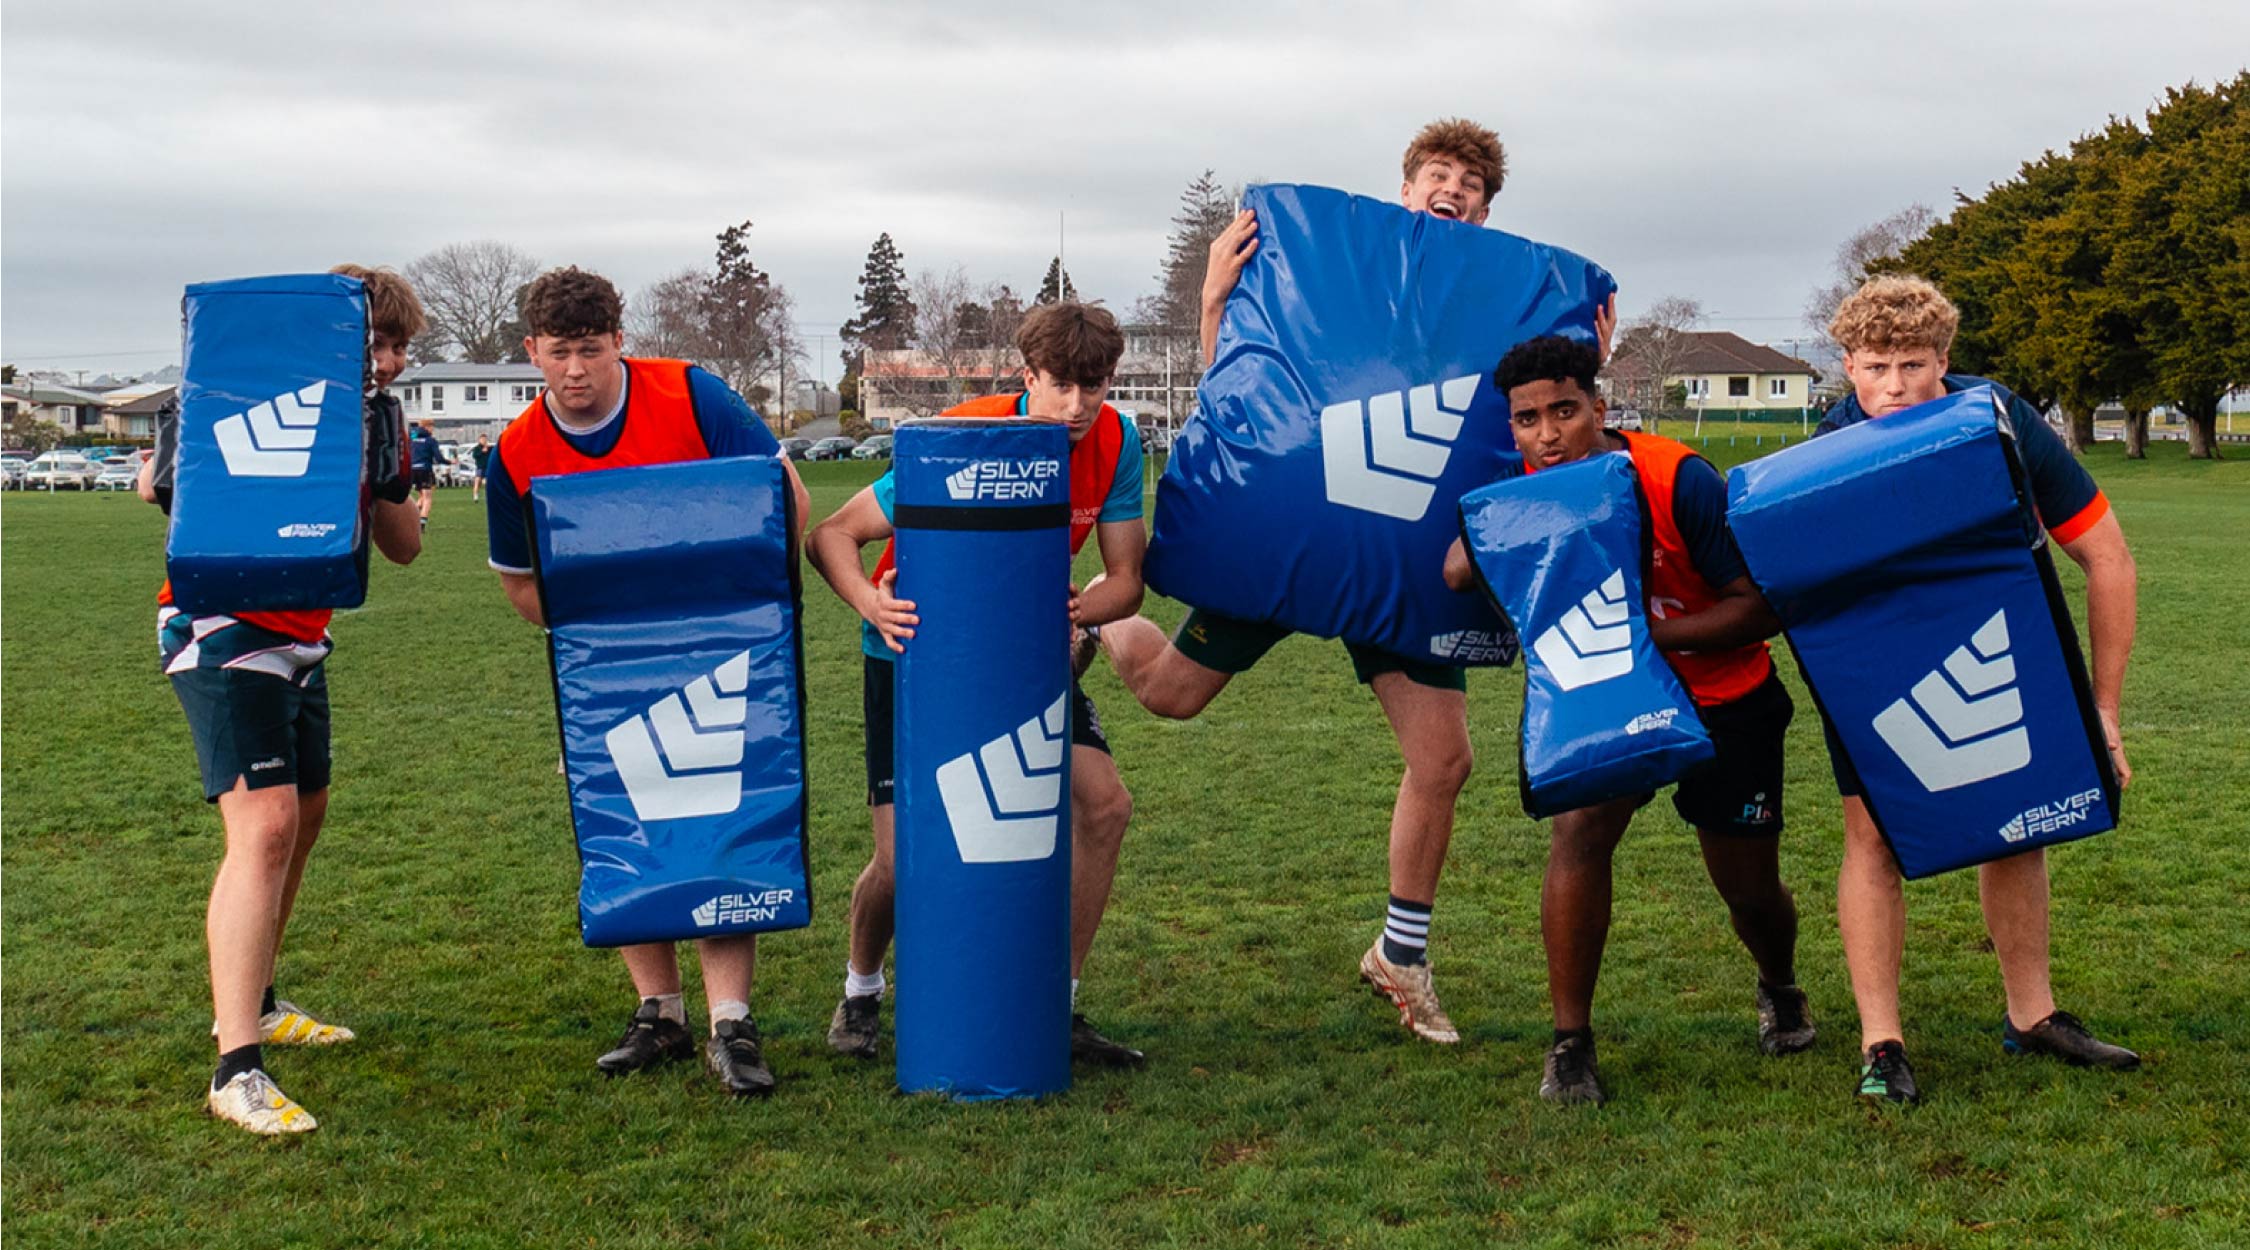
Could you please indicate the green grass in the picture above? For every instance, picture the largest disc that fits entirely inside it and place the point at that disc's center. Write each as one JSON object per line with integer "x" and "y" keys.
{"x": 1282, "y": 1105}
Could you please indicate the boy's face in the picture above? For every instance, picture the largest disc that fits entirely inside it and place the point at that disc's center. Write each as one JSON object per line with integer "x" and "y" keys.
{"x": 1555, "y": 422}
{"x": 583, "y": 380}
{"x": 387, "y": 356}
{"x": 1049, "y": 398}
{"x": 1888, "y": 381}
{"x": 1444, "y": 187}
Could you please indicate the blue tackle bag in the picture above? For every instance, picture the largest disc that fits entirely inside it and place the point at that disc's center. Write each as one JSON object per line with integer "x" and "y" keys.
{"x": 1350, "y": 407}
{"x": 982, "y": 514}
{"x": 266, "y": 513}
{"x": 673, "y": 609}
{"x": 1559, "y": 553}
{"x": 1911, "y": 574}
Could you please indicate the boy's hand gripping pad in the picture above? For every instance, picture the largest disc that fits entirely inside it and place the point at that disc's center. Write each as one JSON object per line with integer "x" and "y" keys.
{"x": 1559, "y": 553}
{"x": 266, "y": 488}
{"x": 983, "y": 754}
{"x": 672, "y": 608}
{"x": 1350, "y": 407}
{"x": 1912, "y": 576}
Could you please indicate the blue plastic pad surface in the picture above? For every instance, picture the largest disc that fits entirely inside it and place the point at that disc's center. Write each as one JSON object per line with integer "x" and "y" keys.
{"x": 1604, "y": 716}
{"x": 1909, "y": 569}
{"x": 982, "y": 514}
{"x": 672, "y": 608}
{"x": 1350, "y": 407}
{"x": 266, "y": 498}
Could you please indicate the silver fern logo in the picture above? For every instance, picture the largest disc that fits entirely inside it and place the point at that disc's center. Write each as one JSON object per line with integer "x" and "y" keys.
{"x": 683, "y": 757}
{"x": 1593, "y": 642}
{"x": 1385, "y": 453}
{"x": 273, "y": 439}
{"x": 1004, "y": 799}
{"x": 1962, "y": 722}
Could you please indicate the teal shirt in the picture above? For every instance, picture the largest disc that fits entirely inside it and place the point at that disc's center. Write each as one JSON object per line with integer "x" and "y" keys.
{"x": 1123, "y": 503}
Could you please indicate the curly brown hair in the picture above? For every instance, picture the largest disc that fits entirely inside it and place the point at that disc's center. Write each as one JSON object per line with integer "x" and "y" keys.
{"x": 571, "y": 303}
{"x": 1071, "y": 342}
{"x": 1477, "y": 148}
{"x": 392, "y": 307}
{"x": 1895, "y": 312}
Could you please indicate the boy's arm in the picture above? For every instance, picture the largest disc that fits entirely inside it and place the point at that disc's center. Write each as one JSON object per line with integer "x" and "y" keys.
{"x": 834, "y": 546}
{"x": 397, "y": 529}
{"x": 1229, "y": 253}
{"x": 2112, "y": 608}
{"x": 1458, "y": 574}
{"x": 1739, "y": 618}
{"x": 523, "y": 595}
{"x": 1119, "y": 594}
{"x": 804, "y": 506}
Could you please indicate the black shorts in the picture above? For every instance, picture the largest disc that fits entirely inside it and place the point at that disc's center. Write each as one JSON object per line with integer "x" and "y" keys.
{"x": 425, "y": 479}
{"x": 1738, "y": 790}
{"x": 1224, "y": 644}
{"x": 265, "y": 729}
{"x": 1840, "y": 763}
{"x": 878, "y": 702}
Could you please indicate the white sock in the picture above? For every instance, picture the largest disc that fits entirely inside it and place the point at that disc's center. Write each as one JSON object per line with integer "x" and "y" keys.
{"x": 671, "y": 1007}
{"x": 859, "y": 984}
{"x": 1074, "y": 993}
{"x": 728, "y": 1009}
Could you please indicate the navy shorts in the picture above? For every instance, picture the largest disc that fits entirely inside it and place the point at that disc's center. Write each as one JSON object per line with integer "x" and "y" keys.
{"x": 878, "y": 703}
{"x": 253, "y": 726}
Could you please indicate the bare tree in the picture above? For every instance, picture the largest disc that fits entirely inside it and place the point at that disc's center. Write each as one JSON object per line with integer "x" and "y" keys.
{"x": 666, "y": 317}
{"x": 1856, "y": 259}
{"x": 1652, "y": 347}
{"x": 470, "y": 291}
{"x": 963, "y": 332}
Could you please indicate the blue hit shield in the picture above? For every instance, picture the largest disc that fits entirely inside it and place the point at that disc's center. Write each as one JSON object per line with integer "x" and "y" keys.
{"x": 266, "y": 496}
{"x": 672, "y": 610}
{"x": 1350, "y": 408}
{"x": 982, "y": 512}
{"x": 1559, "y": 554}
{"x": 1909, "y": 568}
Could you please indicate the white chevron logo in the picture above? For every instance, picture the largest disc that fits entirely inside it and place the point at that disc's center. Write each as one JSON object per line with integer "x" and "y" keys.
{"x": 1950, "y": 733}
{"x": 275, "y": 438}
{"x": 1384, "y": 454}
{"x": 706, "y": 915}
{"x": 700, "y": 730}
{"x": 1593, "y": 641}
{"x": 1017, "y": 816}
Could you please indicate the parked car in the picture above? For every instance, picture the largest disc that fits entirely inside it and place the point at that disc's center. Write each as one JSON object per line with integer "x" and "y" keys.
{"x": 58, "y": 469}
{"x": 120, "y": 473}
{"x": 877, "y": 447}
{"x": 1624, "y": 419}
{"x": 796, "y": 448}
{"x": 834, "y": 447}
{"x": 11, "y": 472}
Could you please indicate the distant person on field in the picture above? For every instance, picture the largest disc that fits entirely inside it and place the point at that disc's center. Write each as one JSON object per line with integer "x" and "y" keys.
{"x": 483, "y": 457}
{"x": 604, "y": 410}
{"x": 1711, "y": 625}
{"x": 425, "y": 456}
{"x": 1896, "y": 333}
{"x": 254, "y": 686}
{"x": 1070, "y": 352}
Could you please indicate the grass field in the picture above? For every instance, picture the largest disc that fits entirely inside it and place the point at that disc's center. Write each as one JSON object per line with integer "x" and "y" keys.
{"x": 1282, "y": 1104}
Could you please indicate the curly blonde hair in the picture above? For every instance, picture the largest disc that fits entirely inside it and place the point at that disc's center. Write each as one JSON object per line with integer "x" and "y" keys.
{"x": 1896, "y": 312}
{"x": 1477, "y": 148}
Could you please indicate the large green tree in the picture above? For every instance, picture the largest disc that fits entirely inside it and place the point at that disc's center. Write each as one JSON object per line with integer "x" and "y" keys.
{"x": 1056, "y": 286}
{"x": 885, "y": 320}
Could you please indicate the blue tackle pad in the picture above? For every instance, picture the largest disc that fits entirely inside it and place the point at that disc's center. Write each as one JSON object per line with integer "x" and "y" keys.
{"x": 266, "y": 513}
{"x": 1559, "y": 553}
{"x": 982, "y": 513}
{"x": 1350, "y": 407}
{"x": 1907, "y": 564}
{"x": 673, "y": 610}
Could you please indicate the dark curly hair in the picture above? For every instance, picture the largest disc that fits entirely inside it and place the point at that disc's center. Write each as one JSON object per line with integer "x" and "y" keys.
{"x": 1549, "y": 359}
{"x": 571, "y": 304}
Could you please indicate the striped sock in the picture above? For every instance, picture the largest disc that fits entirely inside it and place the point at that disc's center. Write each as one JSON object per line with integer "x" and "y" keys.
{"x": 1406, "y": 932}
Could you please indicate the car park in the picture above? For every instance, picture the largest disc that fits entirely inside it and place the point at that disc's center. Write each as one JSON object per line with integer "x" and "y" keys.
{"x": 1624, "y": 419}
{"x": 877, "y": 447}
{"x": 120, "y": 473}
{"x": 12, "y": 469}
{"x": 59, "y": 469}
{"x": 796, "y": 448}
{"x": 834, "y": 447}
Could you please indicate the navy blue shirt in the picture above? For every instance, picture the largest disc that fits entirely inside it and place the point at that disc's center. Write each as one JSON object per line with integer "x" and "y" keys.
{"x": 2069, "y": 503}
{"x": 423, "y": 446}
{"x": 730, "y": 428}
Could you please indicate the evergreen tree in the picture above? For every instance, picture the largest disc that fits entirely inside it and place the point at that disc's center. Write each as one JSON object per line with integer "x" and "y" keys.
{"x": 1056, "y": 287}
{"x": 885, "y": 320}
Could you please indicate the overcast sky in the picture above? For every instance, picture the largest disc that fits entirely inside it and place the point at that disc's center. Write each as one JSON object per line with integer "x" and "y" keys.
{"x": 1718, "y": 149}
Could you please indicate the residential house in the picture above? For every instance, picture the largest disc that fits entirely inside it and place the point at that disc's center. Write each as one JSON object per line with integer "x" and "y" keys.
{"x": 68, "y": 408}
{"x": 1155, "y": 377}
{"x": 1718, "y": 371}
{"x": 130, "y": 411}
{"x": 461, "y": 401}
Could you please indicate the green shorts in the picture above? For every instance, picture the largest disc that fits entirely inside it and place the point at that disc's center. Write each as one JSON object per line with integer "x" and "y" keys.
{"x": 1227, "y": 645}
